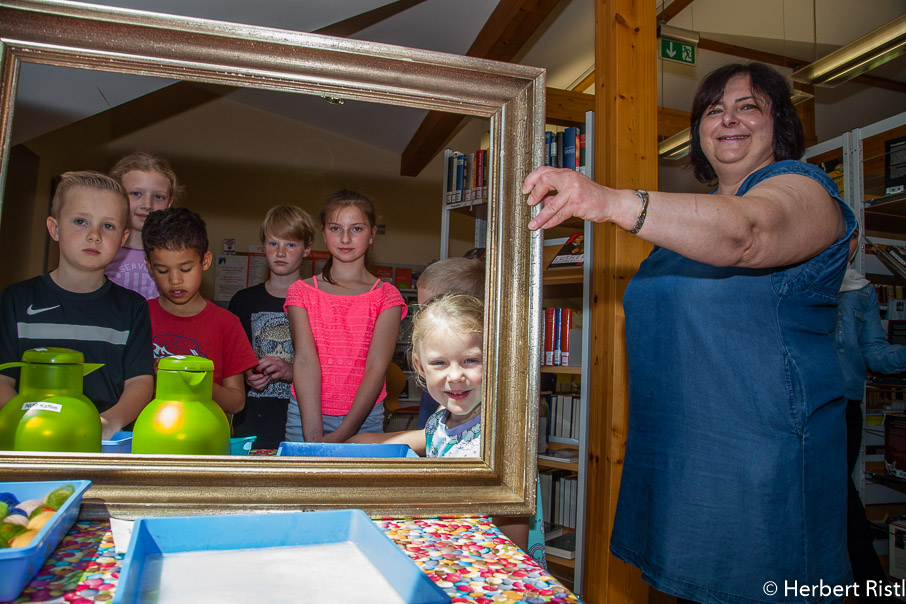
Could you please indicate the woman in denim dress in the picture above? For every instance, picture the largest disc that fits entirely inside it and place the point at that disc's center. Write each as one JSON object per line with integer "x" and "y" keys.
{"x": 734, "y": 481}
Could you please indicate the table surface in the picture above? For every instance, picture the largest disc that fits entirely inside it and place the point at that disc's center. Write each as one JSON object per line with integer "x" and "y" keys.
{"x": 468, "y": 557}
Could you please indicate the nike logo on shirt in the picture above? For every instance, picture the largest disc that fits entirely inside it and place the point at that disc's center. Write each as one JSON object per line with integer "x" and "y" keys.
{"x": 34, "y": 311}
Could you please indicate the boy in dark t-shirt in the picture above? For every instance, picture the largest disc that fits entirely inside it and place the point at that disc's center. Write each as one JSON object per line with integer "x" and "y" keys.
{"x": 286, "y": 234}
{"x": 75, "y": 306}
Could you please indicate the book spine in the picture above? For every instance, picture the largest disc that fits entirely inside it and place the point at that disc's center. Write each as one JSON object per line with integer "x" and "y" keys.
{"x": 460, "y": 170}
{"x": 569, "y": 147}
{"x": 451, "y": 175}
{"x": 548, "y": 142}
{"x": 896, "y": 254}
{"x": 560, "y": 143}
{"x": 558, "y": 321}
{"x": 467, "y": 178}
{"x": 548, "y": 336}
{"x": 475, "y": 188}
{"x": 486, "y": 173}
{"x": 479, "y": 174}
{"x": 566, "y": 322}
{"x": 577, "y": 404}
{"x": 567, "y": 416}
{"x": 580, "y": 146}
{"x": 553, "y": 154}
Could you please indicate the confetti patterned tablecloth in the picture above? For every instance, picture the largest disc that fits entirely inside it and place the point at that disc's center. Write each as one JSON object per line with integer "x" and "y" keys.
{"x": 468, "y": 557}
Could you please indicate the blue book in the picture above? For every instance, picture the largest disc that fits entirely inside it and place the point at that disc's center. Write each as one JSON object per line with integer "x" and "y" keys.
{"x": 570, "y": 136}
{"x": 548, "y": 136}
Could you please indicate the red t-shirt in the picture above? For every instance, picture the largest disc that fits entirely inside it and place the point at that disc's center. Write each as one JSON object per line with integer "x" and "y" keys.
{"x": 214, "y": 333}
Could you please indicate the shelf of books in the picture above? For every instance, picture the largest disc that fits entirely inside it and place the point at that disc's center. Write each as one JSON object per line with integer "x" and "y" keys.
{"x": 869, "y": 165}
{"x": 465, "y": 191}
{"x": 562, "y": 445}
{"x": 563, "y": 425}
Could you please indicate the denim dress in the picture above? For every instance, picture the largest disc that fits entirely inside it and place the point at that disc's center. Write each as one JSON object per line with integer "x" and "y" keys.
{"x": 734, "y": 482}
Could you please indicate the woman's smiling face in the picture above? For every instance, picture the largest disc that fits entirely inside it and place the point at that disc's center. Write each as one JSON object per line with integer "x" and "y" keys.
{"x": 738, "y": 130}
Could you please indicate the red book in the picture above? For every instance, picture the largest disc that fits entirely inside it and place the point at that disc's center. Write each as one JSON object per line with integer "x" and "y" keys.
{"x": 384, "y": 272}
{"x": 566, "y": 321}
{"x": 548, "y": 337}
{"x": 479, "y": 174}
{"x": 403, "y": 278}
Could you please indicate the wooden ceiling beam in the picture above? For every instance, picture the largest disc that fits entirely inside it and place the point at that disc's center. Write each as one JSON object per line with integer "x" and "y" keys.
{"x": 567, "y": 108}
{"x": 356, "y": 23}
{"x": 507, "y": 30}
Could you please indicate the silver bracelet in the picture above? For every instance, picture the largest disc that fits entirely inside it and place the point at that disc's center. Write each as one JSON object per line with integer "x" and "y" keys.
{"x": 643, "y": 196}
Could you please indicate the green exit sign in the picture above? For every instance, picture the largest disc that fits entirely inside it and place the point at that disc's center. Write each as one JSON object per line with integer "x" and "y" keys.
{"x": 677, "y": 51}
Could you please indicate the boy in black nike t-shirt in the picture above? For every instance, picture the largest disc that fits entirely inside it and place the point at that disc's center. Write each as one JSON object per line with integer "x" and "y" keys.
{"x": 75, "y": 306}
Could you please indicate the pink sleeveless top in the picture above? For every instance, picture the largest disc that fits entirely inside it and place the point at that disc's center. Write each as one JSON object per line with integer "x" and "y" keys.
{"x": 342, "y": 328}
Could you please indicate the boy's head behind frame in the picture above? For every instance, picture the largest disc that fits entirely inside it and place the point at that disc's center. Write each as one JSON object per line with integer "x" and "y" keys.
{"x": 88, "y": 205}
{"x": 288, "y": 222}
{"x": 176, "y": 249}
{"x": 452, "y": 276}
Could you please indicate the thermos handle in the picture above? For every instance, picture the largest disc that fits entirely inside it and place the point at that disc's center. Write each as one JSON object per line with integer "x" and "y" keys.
{"x": 10, "y": 365}
{"x": 86, "y": 367}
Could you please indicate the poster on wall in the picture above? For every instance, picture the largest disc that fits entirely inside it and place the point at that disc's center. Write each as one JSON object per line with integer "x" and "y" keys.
{"x": 257, "y": 266}
{"x": 230, "y": 275}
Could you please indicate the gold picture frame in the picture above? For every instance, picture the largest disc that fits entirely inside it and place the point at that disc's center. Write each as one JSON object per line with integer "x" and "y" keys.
{"x": 83, "y": 36}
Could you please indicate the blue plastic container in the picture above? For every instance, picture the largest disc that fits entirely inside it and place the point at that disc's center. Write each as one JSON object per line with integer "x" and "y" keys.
{"x": 120, "y": 443}
{"x": 241, "y": 445}
{"x": 161, "y": 536}
{"x": 19, "y": 564}
{"x": 294, "y": 449}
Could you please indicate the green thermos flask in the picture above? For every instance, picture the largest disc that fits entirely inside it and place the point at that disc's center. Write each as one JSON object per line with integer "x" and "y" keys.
{"x": 50, "y": 413}
{"x": 183, "y": 419}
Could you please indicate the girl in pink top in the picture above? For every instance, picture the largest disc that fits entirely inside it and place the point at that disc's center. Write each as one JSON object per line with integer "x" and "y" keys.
{"x": 344, "y": 327}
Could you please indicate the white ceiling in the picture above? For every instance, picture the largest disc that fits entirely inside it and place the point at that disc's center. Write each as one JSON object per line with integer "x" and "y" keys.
{"x": 50, "y": 97}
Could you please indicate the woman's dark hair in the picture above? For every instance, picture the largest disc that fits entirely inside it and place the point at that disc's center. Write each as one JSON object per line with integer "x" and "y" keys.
{"x": 336, "y": 202}
{"x": 175, "y": 229}
{"x": 789, "y": 140}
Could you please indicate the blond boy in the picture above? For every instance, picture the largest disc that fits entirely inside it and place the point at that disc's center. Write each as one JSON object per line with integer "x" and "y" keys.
{"x": 75, "y": 306}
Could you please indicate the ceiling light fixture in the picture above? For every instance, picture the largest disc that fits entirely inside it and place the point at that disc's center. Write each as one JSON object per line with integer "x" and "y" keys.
{"x": 678, "y": 34}
{"x": 871, "y": 50}
{"x": 333, "y": 100}
{"x": 676, "y": 146}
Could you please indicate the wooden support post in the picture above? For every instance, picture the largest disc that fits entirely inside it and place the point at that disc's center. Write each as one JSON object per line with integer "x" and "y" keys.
{"x": 626, "y": 157}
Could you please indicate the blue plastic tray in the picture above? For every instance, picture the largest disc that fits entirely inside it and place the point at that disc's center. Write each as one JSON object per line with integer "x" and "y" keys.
{"x": 161, "y": 536}
{"x": 295, "y": 449}
{"x": 120, "y": 443}
{"x": 19, "y": 564}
